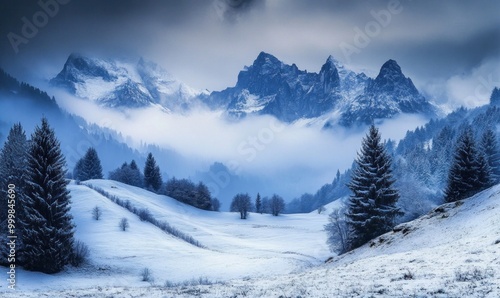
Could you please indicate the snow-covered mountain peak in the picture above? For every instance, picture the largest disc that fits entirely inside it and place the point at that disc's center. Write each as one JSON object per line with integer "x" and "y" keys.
{"x": 390, "y": 71}
{"x": 329, "y": 75}
{"x": 123, "y": 84}
{"x": 270, "y": 86}
{"x": 78, "y": 68}
{"x": 153, "y": 69}
{"x": 266, "y": 64}
{"x": 334, "y": 62}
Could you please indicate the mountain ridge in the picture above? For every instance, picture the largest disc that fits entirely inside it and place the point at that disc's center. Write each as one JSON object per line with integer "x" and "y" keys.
{"x": 119, "y": 84}
{"x": 272, "y": 87}
{"x": 268, "y": 86}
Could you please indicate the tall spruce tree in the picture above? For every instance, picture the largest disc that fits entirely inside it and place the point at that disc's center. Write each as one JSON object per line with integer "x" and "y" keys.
{"x": 489, "y": 146}
{"x": 469, "y": 172}
{"x": 152, "y": 176}
{"x": 258, "y": 204}
{"x": 13, "y": 163}
{"x": 88, "y": 167}
{"x": 47, "y": 224}
{"x": 372, "y": 206}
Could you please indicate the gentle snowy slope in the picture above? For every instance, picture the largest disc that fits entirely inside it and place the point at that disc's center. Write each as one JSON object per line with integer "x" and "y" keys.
{"x": 262, "y": 245}
{"x": 453, "y": 251}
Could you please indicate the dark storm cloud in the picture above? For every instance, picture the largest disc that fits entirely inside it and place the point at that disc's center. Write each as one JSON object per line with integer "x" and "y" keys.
{"x": 206, "y": 43}
{"x": 231, "y": 10}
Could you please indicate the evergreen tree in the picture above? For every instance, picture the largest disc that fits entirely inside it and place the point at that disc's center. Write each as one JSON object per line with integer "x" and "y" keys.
{"x": 13, "y": 163}
{"x": 215, "y": 204}
{"x": 135, "y": 174}
{"x": 152, "y": 176}
{"x": 489, "y": 147}
{"x": 88, "y": 167}
{"x": 495, "y": 96}
{"x": 77, "y": 170}
{"x": 372, "y": 206}
{"x": 133, "y": 165}
{"x": 258, "y": 204}
{"x": 203, "y": 197}
{"x": 47, "y": 225}
{"x": 128, "y": 174}
{"x": 13, "y": 166}
{"x": 469, "y": 172}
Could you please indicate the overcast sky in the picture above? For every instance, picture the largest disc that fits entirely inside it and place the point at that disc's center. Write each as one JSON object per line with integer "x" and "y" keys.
{"x": 451, "y": 49}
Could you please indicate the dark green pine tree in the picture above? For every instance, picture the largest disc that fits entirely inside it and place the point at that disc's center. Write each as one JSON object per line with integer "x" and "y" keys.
{"x": 135, "y": 175}
{"x": 469, "y": 172}
{"x": 13, "y": 163}
{"x": 258, "y": 204}
{"x": 489, "y": 147}
{"x": 47, "y": 225}
{"x": 88, "y": 167}
{"x": 372, "y": 206}
{"x": 203, "y": 197}
{"x": 152, "y": 176}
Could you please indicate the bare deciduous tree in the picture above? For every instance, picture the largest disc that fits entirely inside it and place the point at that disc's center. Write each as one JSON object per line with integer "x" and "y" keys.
{"x": 124, "y": 224}
{"x": 96, "y": 213}
{"x": 337, "y": 231}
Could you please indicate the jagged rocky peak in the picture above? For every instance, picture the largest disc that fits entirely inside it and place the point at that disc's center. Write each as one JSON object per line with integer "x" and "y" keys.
{"x": 391, "y": 77}
{"x": 266, "y": 64}
{"x": 390, "y": 70}
{"x": 76, "y": 68}
{"x": 266, "y": 58}
{"x": 329, "y": 75}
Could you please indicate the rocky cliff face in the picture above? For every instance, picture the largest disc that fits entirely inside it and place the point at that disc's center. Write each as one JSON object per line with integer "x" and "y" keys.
{"x": 271, "y": 87}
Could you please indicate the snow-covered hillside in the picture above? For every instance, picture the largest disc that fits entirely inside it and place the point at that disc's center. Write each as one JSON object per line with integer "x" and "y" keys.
{"x": 454, "y": 251}
{"x": 261, "y": 246}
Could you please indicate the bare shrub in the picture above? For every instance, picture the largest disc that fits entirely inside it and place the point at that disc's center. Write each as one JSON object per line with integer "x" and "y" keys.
{"x": 80, "y": 253}
{"x": 147, "y": 275}
{"x": 473, "y": 274}
{"x": 145, "y": 215}
{"x": 96, "y": 213}
{"x": 124, "y": 225}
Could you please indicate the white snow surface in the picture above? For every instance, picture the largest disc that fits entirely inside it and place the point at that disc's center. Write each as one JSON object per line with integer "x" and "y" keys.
{"x": 261, "y": 246}
{"x": 454, "y": 251}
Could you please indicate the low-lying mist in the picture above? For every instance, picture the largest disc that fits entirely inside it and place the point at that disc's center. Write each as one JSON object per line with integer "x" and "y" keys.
{"x": 260, "y": 153}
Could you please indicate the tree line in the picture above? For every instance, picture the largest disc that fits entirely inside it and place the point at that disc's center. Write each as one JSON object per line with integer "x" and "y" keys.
{"x": 42, "y": 222}
{"x": 371, "y": 209}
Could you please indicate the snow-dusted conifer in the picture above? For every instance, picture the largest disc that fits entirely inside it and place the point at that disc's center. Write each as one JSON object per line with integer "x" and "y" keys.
{"x": 203, "y": 197}
{"x": 469, "y": 172}
{"x": 258, "y": 204}
{"x": 152, "y": 176}
{"x": 88, "y": 167}
{"x": 135, "y": 175}
{"x": 13, "y": 163}
{"x": 372, "y": 206}
{"x": 77, "y": 170}
{"x": 128, "y": 174}
{"x": 47, "y": 224}
{"x": 489, "y": 146}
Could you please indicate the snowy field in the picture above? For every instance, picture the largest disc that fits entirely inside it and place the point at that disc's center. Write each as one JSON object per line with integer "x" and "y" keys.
{"x": 453, "y": 251}
{"x": 261, "y": 246}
